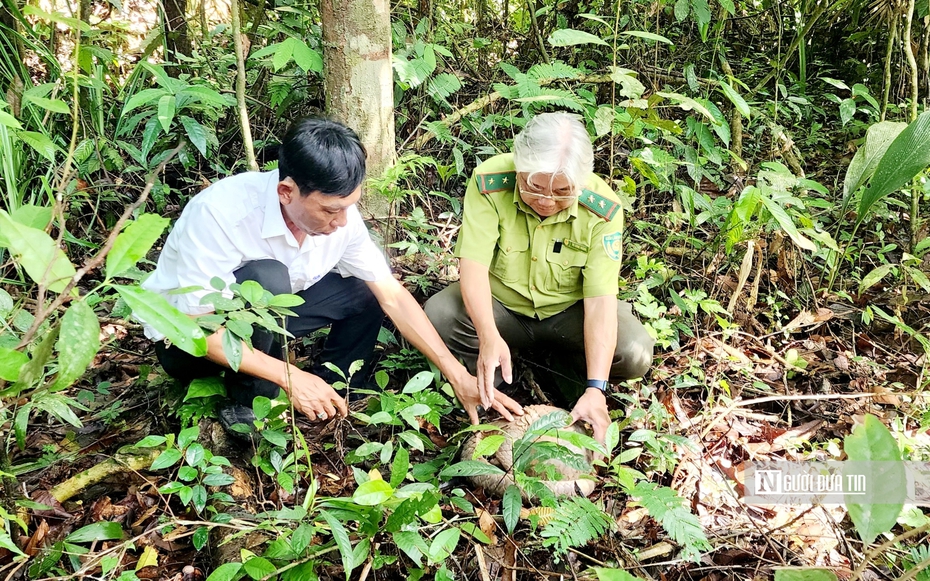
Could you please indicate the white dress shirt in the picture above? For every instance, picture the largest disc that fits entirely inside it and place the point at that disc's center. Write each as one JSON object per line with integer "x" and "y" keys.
{"x": 238, "y": 219}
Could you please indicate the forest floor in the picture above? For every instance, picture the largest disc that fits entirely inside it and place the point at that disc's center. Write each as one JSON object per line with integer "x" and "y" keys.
{"x": 792, "y": 394}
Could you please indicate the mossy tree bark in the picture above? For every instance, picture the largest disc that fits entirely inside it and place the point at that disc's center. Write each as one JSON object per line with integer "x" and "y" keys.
{"x": 359, "y": 83}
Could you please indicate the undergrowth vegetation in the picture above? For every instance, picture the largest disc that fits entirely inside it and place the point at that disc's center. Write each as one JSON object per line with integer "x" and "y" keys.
{"x": 772, "y": 160}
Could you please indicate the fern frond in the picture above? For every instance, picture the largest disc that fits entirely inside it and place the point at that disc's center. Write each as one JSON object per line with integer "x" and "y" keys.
{"x": 556, "y": 70}
{"x": 577, "y": 521}
{"x": 443, "y": 85}
{"x": 669, "y": 509}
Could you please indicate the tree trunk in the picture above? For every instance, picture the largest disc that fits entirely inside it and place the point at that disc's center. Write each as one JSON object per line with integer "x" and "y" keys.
{"x": 889, "y": 53}
{"x": 911, "y": 61}
{"x": 240, "y": 88}
{"x": 359, "y": 82}
{"x": 177, "y": 40}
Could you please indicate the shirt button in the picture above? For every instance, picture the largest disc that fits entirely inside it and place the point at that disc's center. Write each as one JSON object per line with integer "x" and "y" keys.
{"x": 534, "y": 259}
{"x": 508, "y": 249}
{"x": 533, "y": 287}
{"x": 565, "y": 262}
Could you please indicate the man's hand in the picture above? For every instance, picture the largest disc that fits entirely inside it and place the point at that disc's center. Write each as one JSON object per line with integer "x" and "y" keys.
{"x": 466, "y": 390}
{"x": 492, "y": 354}
{"x": 592, "y": 408}
{"x": 314, "y": 397}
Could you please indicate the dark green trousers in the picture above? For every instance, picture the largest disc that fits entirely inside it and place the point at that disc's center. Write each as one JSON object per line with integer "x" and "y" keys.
{"x": 554, "y": 345}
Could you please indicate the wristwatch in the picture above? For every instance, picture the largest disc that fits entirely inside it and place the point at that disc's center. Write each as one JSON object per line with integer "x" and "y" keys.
{"x": 600, "y": 384}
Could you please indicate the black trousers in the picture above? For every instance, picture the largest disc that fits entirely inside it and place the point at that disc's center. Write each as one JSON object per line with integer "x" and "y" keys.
{"x": 346, "y": 304}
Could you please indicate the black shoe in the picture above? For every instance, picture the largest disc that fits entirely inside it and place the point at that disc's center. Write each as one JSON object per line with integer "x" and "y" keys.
{"x": 239, "y": 421}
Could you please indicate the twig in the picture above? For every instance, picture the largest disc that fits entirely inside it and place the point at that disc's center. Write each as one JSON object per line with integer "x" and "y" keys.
{"x": 97, "y": 259}
{"x": 882, "y": 547}
{"x": 749, "y": 402}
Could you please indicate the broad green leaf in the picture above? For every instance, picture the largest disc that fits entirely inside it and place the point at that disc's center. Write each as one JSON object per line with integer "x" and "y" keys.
{"x": 59, "y": 406}
{"x": 259, "y": 567}
{"x": 342, "y": 541}
{"x": 805, "y": 574}
{"x": 33, "y": 216}
{"x": 372, "y": 493}
{"x": 877, "y": 139}
{"x": 33, "y": 371}
{"x": 874, "y": 276}
{"x": 6, "y": 306}
{"x": 604, "y": 574}
{"x": 477, "y": 533}
{"x": 307, "y": 58}
{"x": 687, "y": 104}
{"x": 208, "y": 96}
{"x": 741, "y": 105}
{"x": 919, "y": 277}
{"x": 908, "y": 155}
{"x": 488, "y": 446}
{"x": 411, "y": 543}
{"x": 444, "y": 544}
{"x": 8, "y": 120}
{"x": 232, "y": 349}
{"x": 701, "y": 15}
{"x": 53, "y": 105}
{"x": 511, "y": 504}
{"x": 225, "y": 572}
{"x": 400, "y": 466}
{"x": 571, "y": 37}
{"x": 205, "y": 387}
{"x": 729, "y": 6}
{"x": 143, "y": 97}
{"x": 784, "y": 220}
{"x": 682, "y": 10}
{"x": 196, "y": 133}
{"x": 7, "y": 543}
{"x": 836, "y": 83}
{"x": 613, "y": 436}
{"x": 166, "y": 459}
{"x": 647, "y": 36}
{"x": 630, "y": 86}
{"x": 847, "y": 110}
{"x": 11, "y": 362}
{"x": 166, "y": 106}
{"x": 284, "y": 53}
{"x": 261, "y": 407}
{"x": 164, "y": 318}
{"x": 470, "y": 468}
{"x": 39, "y": 142}
{"x": 37, "y": 253}
{"x": 99, "y": 531}
{"x": 150, "y": 441}
{"x": 149, "y": 558}
{"x": 419, "y": 382}
{"x": 75, "y": 23}
{"x": 286, "y": 301}
{"x": 603, "y": 120}
{"x": 871, "y": 448}
{"x": 78, "y": 343}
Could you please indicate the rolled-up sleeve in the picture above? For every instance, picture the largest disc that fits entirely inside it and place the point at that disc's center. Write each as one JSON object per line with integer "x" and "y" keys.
{"x": 480, "y": 231}
{"x": 362, "y": 257}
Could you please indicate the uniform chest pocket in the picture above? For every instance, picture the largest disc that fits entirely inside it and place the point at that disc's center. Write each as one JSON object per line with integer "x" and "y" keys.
{"x": 565, "y": 268}
{"x": 510, "y": 258}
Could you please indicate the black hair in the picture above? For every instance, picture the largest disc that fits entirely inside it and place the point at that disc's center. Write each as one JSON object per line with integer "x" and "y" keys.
{"x": 322, "y": 155}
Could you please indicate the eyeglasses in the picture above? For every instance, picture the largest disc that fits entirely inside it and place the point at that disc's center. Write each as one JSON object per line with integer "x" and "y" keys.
{"x": 534, "y": 196}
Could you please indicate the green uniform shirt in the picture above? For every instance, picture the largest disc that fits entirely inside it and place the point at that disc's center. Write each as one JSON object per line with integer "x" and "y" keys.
{"x": 540, "y": 267}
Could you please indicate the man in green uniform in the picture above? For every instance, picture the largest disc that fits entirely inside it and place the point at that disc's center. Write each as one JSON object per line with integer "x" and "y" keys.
{"x": 539, "y": 254}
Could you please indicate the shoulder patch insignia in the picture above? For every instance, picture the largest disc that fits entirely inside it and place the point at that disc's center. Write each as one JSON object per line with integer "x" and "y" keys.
{"x": 598, "y": 204}
{"x": 612, "y": 245}
{"x": 496, "y": 182}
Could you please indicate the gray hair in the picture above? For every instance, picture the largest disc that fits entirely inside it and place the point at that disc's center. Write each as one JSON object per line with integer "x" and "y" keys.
{"x": 554, "y": 143}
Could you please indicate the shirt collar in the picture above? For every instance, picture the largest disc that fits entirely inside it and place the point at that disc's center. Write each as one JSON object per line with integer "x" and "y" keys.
{"x": 273, "y": 224}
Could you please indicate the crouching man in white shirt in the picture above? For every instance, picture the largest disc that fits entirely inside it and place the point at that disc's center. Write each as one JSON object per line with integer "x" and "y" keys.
{"x": 297, "y": 230}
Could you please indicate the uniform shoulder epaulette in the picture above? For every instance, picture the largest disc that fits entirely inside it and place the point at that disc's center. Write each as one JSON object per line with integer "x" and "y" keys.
{"x": 598, "y": 204}
{"x": 496, "y": 182}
